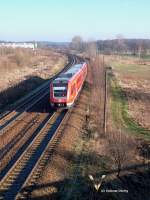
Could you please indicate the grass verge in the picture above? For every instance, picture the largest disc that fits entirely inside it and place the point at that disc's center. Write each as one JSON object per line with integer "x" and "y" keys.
{"x": 120, "y": 114}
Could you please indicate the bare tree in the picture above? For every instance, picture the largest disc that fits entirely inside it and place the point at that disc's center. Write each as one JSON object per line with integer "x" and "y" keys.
{"x": 91, "y": 49}
{"x": 77, "y": 43}
{"x": 139, "y": 48}
{"x": 121, "y": 46}
{"x": 121, "y": 148}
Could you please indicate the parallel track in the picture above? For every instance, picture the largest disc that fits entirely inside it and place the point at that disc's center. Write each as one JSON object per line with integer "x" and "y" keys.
{"x": 16, "y": 176}
{"x": 13, "y": 150}
{"x": 28, "y": 186}
{"x": 18, "y": 115}
{"x": 33, "y": 145}
{"x": 8, "y": 117}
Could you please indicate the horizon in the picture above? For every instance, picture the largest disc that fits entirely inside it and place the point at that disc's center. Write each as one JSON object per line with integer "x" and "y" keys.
{"x": 28, "y": 41}
{"x": 61, "y": 21}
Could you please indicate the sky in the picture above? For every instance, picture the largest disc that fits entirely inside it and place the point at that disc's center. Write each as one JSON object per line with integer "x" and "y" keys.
{"x": 60, "y": 20}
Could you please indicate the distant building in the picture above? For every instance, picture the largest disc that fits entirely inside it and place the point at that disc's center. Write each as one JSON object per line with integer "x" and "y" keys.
{"x": 19, "y": 45}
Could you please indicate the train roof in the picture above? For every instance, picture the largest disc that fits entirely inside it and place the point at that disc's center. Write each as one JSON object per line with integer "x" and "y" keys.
{"x": 69, "y": 73}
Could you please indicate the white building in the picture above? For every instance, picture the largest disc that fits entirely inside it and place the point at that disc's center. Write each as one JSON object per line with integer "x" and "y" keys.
{"x": 19, "y": 45}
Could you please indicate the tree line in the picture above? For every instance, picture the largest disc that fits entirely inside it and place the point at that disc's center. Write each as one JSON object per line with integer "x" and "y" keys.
{"x": 120, "y": 45}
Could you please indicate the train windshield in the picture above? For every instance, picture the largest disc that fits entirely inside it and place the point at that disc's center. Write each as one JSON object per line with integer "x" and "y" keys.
{"x": 60, "y": 88}
{"x": 60, "y": 93}
{"x": 58, "y": 83}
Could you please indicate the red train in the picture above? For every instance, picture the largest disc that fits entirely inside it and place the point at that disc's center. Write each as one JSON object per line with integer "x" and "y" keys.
{"x": 66, "y": 87}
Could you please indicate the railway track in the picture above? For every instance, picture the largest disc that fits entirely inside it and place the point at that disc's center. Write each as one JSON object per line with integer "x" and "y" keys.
{"x": 17, "y": 131}
{"x": 17, "y": 175}
{"x": 13, "y": 150}
{"x": 28, "y": 186}
{"x": 35, "y": 137}
{"x": 7, "y": 118}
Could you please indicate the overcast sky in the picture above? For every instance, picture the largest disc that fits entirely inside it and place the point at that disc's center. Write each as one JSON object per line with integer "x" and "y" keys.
{"x": 60, "y": 20}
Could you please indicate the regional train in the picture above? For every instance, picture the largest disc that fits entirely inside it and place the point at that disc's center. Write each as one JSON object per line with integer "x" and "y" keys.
{"x": 66, "y": 87}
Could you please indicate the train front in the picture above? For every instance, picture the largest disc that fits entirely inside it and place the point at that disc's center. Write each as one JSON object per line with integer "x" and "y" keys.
{"x": 58, "y": 92}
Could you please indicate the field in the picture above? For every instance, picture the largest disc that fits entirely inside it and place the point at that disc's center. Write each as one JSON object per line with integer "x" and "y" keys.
{"x": 103, "y": 152}
{"x": 21, "y": 70}
{"x": 131, "y": 88}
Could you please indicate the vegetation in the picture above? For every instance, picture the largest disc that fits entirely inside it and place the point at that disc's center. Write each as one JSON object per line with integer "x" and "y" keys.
{"x": 98, "y": 153}
{"x": 22, "y": 70}
{"x": 77, "y": 43}
{"x": 120, "y": 45}
{"x": 119, "y": 106}
{"x": 87, "y": 162}
{"x": 14, "y": 58}
{"x": 139, "y": 48}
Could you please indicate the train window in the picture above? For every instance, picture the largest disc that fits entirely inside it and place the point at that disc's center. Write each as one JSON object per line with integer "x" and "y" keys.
{"x": 60, "y": 84}
{"x": 67, "y": 75}
{"x": 60, "y": 93}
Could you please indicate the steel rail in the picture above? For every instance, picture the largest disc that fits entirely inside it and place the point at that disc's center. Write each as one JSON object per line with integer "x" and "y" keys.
{"x": 32, "y": 101}
{"x": 14, "y": 179}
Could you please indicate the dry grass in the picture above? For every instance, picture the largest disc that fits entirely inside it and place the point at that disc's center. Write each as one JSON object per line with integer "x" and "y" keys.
{"x": 22, "y": 70}
{"x": 134, "y": 78}
{"x": 17, "y": 64}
